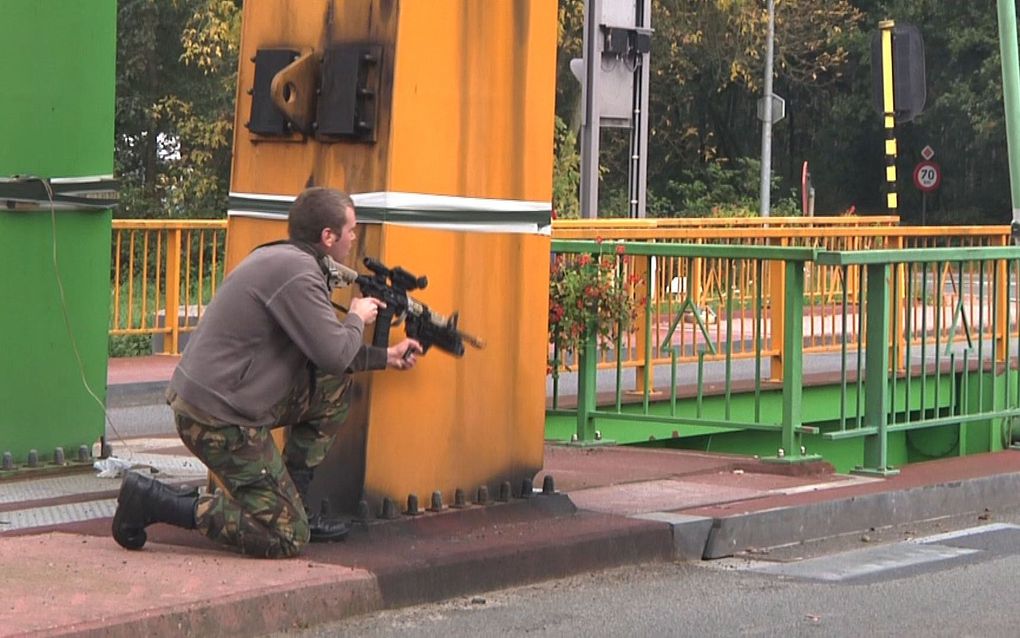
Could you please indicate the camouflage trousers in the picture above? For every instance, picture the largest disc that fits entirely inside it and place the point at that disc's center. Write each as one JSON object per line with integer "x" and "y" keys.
{"x": 257, "y": 509}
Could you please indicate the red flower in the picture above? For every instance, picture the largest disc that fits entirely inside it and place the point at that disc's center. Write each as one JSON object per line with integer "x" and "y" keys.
{"x": 620, "y": 249}
{"x": 598, "y": 239}
{"x": 584, "y": 260}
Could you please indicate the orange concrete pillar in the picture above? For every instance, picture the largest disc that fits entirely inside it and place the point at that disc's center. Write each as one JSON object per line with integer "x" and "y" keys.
{"x": 438, "y": 118}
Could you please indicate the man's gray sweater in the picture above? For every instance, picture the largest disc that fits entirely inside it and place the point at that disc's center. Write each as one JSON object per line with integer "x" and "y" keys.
{"x": 269, "y": 318}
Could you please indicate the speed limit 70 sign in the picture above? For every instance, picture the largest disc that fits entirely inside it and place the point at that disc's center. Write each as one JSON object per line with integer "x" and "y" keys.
{"x": 927, "y": 176}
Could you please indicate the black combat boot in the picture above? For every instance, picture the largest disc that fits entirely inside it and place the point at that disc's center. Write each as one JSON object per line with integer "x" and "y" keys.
{"x": 143, "y": 501}
{"x": 322, "y": 527}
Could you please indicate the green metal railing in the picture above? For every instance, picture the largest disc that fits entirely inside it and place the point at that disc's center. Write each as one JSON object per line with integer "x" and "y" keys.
{"x": 916, "y": 373}
{"x": 927, "y": 340}
{"x": 745, "y": 334}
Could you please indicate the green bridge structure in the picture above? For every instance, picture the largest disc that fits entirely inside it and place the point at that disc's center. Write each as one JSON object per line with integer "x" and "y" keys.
{"x": 925, "y": 363}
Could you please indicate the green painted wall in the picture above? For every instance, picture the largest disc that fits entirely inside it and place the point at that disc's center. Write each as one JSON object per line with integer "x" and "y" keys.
{"x": 57, "y": 59}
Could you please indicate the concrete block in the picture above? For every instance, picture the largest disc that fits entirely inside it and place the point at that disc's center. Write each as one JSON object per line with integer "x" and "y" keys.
{"x": 690, "y": 533}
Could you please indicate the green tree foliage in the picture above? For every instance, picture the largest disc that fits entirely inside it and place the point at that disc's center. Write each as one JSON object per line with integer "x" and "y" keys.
{"x": 704, "y": 139}
{"x": 176, "y": 88}
{"x": 705, "y": 81}
{"x": 566, "y": 172}
{"x": 176, "y": 70}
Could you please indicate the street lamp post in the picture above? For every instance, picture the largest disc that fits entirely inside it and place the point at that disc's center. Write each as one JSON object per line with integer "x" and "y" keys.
{"x": 766, "y": 125}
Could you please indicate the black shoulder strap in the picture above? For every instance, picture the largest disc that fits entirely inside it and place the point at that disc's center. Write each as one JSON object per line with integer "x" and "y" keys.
{"x": 304, "y": 246}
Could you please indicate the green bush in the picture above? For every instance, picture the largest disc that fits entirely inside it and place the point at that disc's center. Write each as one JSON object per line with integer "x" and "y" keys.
{"x": 129, "y": 345}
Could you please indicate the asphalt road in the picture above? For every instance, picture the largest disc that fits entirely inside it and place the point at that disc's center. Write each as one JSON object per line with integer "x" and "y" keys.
{"x": 909, "y": 582}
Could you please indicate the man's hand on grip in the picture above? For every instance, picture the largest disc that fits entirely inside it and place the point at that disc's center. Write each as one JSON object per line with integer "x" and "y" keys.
{"x": 367, "y": 308}
{"x": 403, "y": 355}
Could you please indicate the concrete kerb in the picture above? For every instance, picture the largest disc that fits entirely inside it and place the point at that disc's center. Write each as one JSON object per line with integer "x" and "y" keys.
{"x": 815, "y": 521}
{"x": 136, "y": 394}
{"x": 690, "y": 533}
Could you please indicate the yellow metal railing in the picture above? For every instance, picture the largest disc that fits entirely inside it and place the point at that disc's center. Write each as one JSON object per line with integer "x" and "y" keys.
{"x": 161, "y": 264}
{"x": 163, "y": 274}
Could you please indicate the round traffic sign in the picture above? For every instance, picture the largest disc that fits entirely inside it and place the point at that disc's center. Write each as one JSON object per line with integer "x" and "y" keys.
{"x": 927, "y": 176}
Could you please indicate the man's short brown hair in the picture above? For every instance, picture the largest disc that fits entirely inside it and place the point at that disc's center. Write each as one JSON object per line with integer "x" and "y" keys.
{"x": 317, "y": 208}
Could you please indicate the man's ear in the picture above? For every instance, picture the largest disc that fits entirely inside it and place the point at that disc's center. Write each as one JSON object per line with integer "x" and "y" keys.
{"x": 326, "y": 237}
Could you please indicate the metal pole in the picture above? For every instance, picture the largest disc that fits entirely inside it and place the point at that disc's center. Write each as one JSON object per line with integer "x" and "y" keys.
{"x": 889, "y": 114}
{"x": 639, "y": 133}
{"x": 1011, "y": 98}
{"x": 591, "y": 123}
{"x": 766, "y": 125}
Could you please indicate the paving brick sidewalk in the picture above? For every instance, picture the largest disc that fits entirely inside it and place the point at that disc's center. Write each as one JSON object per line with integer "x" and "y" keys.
{"x": 618, "y": 506}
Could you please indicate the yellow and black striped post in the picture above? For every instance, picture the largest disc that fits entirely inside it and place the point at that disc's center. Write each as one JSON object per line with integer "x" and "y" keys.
{"x": 889, "y": 113}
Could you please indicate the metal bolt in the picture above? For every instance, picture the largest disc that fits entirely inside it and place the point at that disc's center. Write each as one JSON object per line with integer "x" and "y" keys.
{"x": 412, "y": 505}
{"x": 8, "y": 462}
{"x": 84, "y": 453}
{"x": 781, "y": 453}
{"x": 33, "y": 458}
{"x": 527, "y": 488}
{"x": 58, "y": 456}
{"x": 548, "y": 485}
{"x": 803, "y": 450}
{"x": 483, "y": 495}
{"x": 363, "y": 512}
{"x": 459, "y": 500}
{"x": 504, "y": 492}
{"x": 389, "y": 510}
{"x": 573, "y": 438}
{"x": 437, "y": 502}
{"x": 598, "y": 435}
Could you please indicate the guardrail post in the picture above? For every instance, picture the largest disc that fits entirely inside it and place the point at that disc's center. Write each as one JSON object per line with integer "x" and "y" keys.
{"x": 173, "y": 291}
{"x": 898, "y": 344}
{"x": 777, "y": 312}
{"x": 1001, "y": 309}
{"x": 587, "y": 390}
{"x": 648, "y": 290}
{"x": 793, "y": 348}
{"x": 876, "y": 371}
{"x": 695, "y": 283}
{"x": 790, "y": 450}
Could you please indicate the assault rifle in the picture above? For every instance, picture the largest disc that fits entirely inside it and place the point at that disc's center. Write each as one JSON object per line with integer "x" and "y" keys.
{"x": 391, "y": 286}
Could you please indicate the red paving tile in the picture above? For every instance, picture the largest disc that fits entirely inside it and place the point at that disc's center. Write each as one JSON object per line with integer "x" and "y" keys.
{"x": 67, "y": 580}
{"x": 122, "y": 370}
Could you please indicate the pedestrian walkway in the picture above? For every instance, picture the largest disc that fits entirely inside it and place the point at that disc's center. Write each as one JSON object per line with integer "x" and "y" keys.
{"x": 611, "y": 506}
